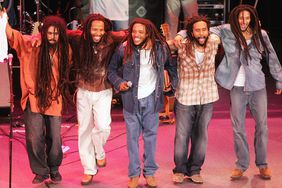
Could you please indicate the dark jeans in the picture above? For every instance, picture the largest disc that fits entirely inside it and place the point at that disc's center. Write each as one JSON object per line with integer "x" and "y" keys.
{"x": 43, "y": 142}
{"x": 191, "y": 124}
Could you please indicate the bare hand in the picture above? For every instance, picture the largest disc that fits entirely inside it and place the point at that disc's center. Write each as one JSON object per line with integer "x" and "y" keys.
{"x": 123, "y": 86}
{"x": 2, "y": 12}
{"x": 278, "y": 92}
{"x": 178, "y": 41}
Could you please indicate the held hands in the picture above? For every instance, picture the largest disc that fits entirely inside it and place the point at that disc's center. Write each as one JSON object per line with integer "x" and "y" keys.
{"x": 3, "y": 14}
{"x": 278, "y": 92}
{"x": 178, "y": 41}
{"x": 123, "y": 86}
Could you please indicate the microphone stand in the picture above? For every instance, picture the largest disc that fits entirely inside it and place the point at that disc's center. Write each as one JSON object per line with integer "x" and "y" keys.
{"x": 10, "y": 72}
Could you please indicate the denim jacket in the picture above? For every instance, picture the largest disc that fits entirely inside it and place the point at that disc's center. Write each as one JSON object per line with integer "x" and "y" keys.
{"x": 129, "y": 70}
{"x": 228, "y": 69}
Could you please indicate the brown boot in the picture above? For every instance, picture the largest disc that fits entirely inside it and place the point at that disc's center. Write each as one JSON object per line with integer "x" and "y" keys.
{"x": 101, "y": 162}
{"x": 151, "y": 181}
{"x": 265, "y": 173}
{"x": 197, "y": 178}
{"x": 178, "y": 178}
{"x": 236, "y": 174}
{"x": 86, "y": 179}
{"x": 133, "y": 182}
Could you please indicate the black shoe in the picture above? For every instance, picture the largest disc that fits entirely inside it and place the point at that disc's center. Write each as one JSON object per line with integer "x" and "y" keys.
{"x": 56, "y": 177}
{"x": 39, "y": 178}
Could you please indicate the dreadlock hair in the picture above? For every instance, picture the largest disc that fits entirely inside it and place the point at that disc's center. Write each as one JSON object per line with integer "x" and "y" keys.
{"x": 46, "y": 91}
{"x": 88, "y": 59}
{"x": 152, "y": 34}
{"x": 254, "y": 25}
{"x": 189, "y": 27}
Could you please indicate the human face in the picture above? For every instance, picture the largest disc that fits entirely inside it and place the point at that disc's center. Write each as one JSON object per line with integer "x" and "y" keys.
{"x": 53, "y": 35}
{"x": 200, "y": 32}
{"x": 139, "y": 33}
{"x": 97, "y": 30}
{"x": 244, "y": 20}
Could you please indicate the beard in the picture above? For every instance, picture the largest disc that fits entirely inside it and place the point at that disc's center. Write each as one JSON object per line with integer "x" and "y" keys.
{"x": 198, "y": 43}
{"x": 52, "y": 42}
{"x": 53, "y": 47}
{"x": 244, "y": 30}
{"x": 142, "y": 44}
{"x": 97, "y": 41}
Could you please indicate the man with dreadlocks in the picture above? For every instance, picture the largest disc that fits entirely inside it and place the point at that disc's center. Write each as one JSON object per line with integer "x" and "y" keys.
{"x": 240, "y": 71}
{"x": 245, "y": 44}
{"x": 94, "y": 48}
{"x": 195, "y": 94}
{"x": 44, "y": 74}
{"x": 142, "y": 57}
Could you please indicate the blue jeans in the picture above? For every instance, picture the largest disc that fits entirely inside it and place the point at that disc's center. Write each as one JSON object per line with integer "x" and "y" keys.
{"x": 257, "y": 101}
{"x": 145, "y": 121}
{"x": 191, "y": 124}
{"x": 43, "y": 142}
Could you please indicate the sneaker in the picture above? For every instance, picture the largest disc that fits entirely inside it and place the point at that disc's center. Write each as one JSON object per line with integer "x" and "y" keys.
{"x": 101, "y": 163}
{"x": 236, "y": 173}
{"x": 133, "y": 182}
{"x": 86, "y": 179}
{"x": 265, "y": 173}
{"x": 151, "y": 181}
{"x": 39, "y": 178}
{"x": 197, "y": 178}
{"x": 56, "y": 177}
{"x": 178, "y": 178}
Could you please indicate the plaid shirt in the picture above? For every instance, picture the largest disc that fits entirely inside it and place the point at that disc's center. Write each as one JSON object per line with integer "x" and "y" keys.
{"x": 197, "y": 84}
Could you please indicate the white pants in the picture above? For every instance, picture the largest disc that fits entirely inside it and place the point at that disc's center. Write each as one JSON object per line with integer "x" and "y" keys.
{"x": 94, "y": 119}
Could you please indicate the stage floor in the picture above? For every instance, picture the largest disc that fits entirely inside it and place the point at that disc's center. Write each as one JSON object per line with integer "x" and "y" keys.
{"x": 216, "y": 170}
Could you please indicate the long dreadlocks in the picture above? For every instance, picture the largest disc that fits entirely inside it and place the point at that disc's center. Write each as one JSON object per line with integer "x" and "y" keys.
{"x": 189, "y": 27}
{"x": 89, "y": 60}
{"x": 254, "y": 25}
{"x": 153, "y": 35}
{"x": 46, "y": 91}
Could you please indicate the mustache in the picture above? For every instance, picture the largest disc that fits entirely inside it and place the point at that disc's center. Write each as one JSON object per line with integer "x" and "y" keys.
{"x": 197, "y": 41}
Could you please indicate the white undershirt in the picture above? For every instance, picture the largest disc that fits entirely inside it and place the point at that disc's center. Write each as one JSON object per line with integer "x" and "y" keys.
{"x": 199, "y": 57}
{"x": 148, "y": 75}
{"x": 241, "y": 76}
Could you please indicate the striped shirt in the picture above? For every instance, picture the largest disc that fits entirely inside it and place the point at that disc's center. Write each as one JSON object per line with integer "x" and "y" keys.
{"x": 197, "y": 84}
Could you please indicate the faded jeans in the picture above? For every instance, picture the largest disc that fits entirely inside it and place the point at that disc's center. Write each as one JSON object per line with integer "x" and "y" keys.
{"x": 191, "y": 124}
{"x": 257, "y": 102}
{"x": 145, "y": 121}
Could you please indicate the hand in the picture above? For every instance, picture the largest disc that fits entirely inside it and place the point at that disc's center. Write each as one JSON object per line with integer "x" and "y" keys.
{"x": 278, "y": 92}
{"x": 123, "y": 86}
{"x": 2, "y": 12}
{"x": 178, "y": 41}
